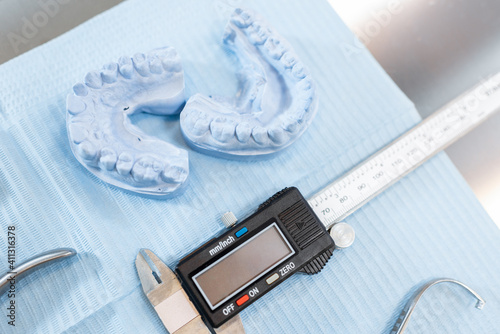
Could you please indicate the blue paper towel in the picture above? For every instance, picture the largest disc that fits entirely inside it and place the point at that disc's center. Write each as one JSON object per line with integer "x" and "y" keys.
{"x": 428, "y": 225}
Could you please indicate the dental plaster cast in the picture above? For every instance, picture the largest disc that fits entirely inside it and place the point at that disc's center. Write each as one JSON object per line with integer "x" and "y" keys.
{"x": 274, "y": 105}
{"x": 101, "y": 134}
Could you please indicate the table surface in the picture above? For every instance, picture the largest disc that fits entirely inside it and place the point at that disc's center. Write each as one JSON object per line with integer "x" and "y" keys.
{"x": 423, "y": 45}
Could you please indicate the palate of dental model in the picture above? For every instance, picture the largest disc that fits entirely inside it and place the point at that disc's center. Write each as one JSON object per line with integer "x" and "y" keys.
{"x": 102, "y": 136}
{"x": 274, "y": 105}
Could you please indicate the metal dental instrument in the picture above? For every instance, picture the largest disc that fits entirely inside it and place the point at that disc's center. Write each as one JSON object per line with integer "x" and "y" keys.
{"x": 170, "y": 301}
{"x": 405, "y": 316}
{"x": 33, "y": 263}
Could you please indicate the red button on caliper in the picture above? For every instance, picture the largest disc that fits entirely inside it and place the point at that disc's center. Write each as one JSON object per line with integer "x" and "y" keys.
{"x": 242, "y": 300}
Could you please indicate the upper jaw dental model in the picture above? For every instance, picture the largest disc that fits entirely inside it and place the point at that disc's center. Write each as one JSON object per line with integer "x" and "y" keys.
{"x": 102, "y": 136}
{"x": 274, "y": 105}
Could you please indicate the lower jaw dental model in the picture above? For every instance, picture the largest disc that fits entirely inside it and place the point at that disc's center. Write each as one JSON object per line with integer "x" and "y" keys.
{"x": 275, "y": 104}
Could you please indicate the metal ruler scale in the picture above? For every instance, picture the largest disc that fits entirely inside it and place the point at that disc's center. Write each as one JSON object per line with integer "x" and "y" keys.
{"x": 344, "y": 196}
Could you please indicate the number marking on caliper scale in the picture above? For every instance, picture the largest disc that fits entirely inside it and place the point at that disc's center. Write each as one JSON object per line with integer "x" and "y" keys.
{"x": 344, "y": 196}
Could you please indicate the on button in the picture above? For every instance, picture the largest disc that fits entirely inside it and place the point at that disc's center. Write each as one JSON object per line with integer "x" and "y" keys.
{"x": 242, "y": 300}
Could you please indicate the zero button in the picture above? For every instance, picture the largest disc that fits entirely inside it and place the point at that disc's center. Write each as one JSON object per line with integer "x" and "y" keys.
{"x": 271, "y": 279}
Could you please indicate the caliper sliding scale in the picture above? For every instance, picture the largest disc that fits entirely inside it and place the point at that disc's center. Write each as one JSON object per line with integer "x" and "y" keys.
{"x": 180, "y": 298}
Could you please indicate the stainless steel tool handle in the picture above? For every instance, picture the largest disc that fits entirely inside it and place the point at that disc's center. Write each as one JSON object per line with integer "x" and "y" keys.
{"x": 33, "y": 263}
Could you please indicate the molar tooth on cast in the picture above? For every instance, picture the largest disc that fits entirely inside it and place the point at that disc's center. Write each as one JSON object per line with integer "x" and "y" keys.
{"x": 109, "y": 73}
{"x": 222, "y": 130}
{"x": 124, "y": 163}
{"x": 93, "y": 80}
{"x": 259, "y": 134}
{"x": 126, "y": 67}
{"x": 86, "y": 150}
{"x": 141, "y": 65}
{"x": 108, "y": 159}
{"x": 155, "y": 66}
{"x": 277, "y": 135}
{"x": 174, "y": 174}
{"x": 143, "y": 170}
{"x": 243, "y": 132}
{"x": 103, "y": 138}
{"x": 273, "y": 107}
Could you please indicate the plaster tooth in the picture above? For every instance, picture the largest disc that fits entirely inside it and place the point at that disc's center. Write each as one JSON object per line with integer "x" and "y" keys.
{"x": 80, "y": 89}
{"x": 108, "y": 159}
{"x": 166, "y": 52}
{"x": 190, "y": 117}
{"x": 143, "y": 171}
{"x": 78, "y": 133}
{"x": 305, "y": 103}
{"x": 290, "y": 125}
{"x": 75, "y": 105}
{"x": 124, "y": 163}
{"x": 141, "y": 64}
{"x": 258, "y": 33}
{"x": 110, "y": 73}
{"x": 171, "y": 65}
{"x": 222, "y": 130}
{"x": 289, "y": 59}
{"x": 126, "y": 67}
{"x": 299, "y": 71}
{"x": 242, "y": 18}
{"x": 299, "y": 114}
{"x": 274, "y": 47}
{"x": 201, "y": 127}
{"x": 93, "y": 80}
{"x": 157, "y": 166}
{"x": 304, "y": 86}
{"x": 277, "y": 135}
{"x": 199, "y": 122}
{"x": 155, "y": 66}
{"x": 174, "y": 174}
{"x": 87, "y": 150}
{"x": 170, "y": 59}
{"x": 243, "y": 132}
{"x": 260, "y": 136}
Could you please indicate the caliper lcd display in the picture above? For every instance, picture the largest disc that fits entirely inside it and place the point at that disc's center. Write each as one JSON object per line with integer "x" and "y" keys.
{"x": 243, "y": 266}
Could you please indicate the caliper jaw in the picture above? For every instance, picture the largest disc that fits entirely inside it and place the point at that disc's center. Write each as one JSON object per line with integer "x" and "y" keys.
{"x": 171, "y": 302}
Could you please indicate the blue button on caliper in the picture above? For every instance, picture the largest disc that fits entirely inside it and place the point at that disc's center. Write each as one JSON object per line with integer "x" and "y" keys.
{"x": 241, "y": 232}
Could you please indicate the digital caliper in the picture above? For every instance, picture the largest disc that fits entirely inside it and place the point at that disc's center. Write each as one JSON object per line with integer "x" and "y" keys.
{"x": 230, "y": 272}
{"x": 288, "y": 233}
